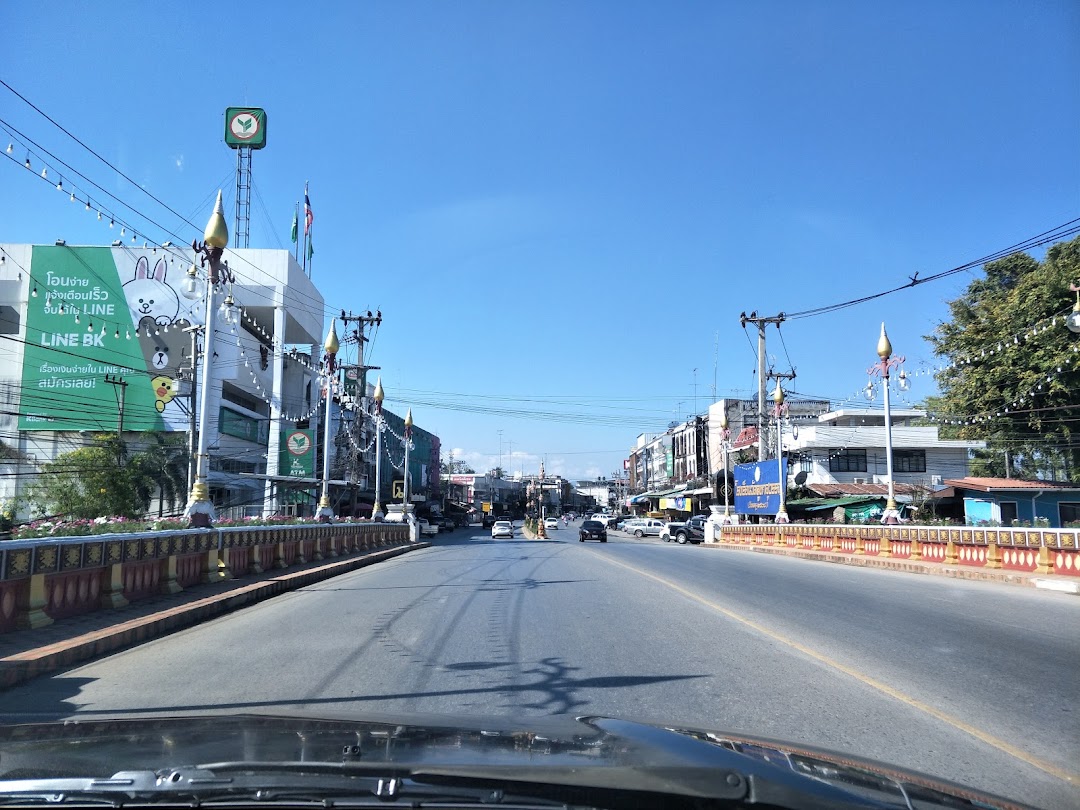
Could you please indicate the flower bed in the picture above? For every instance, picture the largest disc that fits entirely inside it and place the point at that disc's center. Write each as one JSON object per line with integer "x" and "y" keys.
{"x": 120, "y": 525}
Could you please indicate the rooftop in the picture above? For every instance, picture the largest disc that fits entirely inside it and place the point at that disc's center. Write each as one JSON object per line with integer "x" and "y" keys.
{"x": 995, "y": 484}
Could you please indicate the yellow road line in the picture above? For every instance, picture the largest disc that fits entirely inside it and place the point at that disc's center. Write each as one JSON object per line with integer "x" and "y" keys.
{"x": 873, "y": 683}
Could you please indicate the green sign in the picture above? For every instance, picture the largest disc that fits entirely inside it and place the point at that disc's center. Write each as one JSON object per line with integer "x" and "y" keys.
{"x": 245, "y": 126}
{"x": 97, "y": 313}
{"x": 241, "y": 426}
{"x": 297, "y": 453}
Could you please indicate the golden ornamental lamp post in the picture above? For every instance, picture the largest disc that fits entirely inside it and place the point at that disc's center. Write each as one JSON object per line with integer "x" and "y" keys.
{"x": 891, "y": 515}
{"x": 378, "y": 396}
{"x": 540, "y": 533}
{"x": 779, "y": 411}
{"x": 725, "y": 434}
{"x": 408, "y": 441}
{"x": 331, "y": 346}
{"x": 200, "y": 510}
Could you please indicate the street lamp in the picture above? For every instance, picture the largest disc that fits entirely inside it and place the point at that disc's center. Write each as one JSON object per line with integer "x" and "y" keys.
{"x": 326, "y": 512}
{"x": 377, "y": 510}
{"x": 725, "y": 435}
{"x": 200, "y": 510}
{"x": 779, "y": 411}
{"x": 1073, "y": 321}
{"x": 884, "y": 349}
{"x": 405, "y": 487}
{"x": 540, "y": 533}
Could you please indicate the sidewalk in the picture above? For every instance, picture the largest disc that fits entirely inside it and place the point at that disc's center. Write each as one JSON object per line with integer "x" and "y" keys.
{"x": 25, "y": 654}
{"x": 1053, "y": 582}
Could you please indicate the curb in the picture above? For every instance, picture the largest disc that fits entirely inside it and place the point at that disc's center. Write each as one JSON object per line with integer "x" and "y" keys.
{"x": 1007, "y": 577}
{"x": 23, "y": 666}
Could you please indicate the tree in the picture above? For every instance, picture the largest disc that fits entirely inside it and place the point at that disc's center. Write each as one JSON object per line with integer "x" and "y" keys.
{"x": 1012, "y": 368}
{"x": 90, "y": 482}
{"x": 457, "y": 468}
{"x": 162, "y": 465}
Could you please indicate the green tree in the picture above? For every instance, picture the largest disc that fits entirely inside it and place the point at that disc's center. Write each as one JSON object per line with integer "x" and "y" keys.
{"x": 90, "y": 482}
{"x": 1012, "y": 370}
{"x": 161, "y": 469}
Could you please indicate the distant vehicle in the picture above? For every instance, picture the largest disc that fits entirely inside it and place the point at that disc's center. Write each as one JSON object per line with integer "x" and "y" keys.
{"x": 502, "y": 528}
{"x": 487, "y": 520}
{"x": 427, "y": 528}
{"x": 593, "y": 530}
{"x": 507, "y": 518}
{"x": 551, "y": 523}
{"x": 647, "y": 526}
{"x": 447, "y": 524}
{"x": 692, "y": 530}
{"x": 626, "y": 520}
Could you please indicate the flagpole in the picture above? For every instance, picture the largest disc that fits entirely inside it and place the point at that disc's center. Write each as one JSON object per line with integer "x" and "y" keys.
{"x": 311, "y": 253}
{"x": 296, "y": 223}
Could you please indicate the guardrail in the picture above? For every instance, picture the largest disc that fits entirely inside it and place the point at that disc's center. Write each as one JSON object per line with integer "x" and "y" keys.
{"x": 45, "y": 579}
{"x": 1039, "y": 551}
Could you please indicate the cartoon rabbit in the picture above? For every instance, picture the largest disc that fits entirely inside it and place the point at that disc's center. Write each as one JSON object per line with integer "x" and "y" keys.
{"x": 148, "y": 296}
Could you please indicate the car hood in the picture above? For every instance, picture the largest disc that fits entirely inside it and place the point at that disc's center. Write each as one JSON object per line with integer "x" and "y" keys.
{"x": 584, "y": 752}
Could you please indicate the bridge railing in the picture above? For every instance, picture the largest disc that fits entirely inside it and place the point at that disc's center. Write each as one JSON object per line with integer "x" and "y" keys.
{"x": 45, "y": 579}
{"x": 1040, "y": 551}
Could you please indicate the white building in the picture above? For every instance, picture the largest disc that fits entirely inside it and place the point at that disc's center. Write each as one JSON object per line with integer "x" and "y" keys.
{"x": 848, "y": 447}
{"x": 90, "y": 336}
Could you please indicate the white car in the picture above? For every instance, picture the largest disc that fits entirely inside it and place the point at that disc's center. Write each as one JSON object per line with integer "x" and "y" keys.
{"x": 427, "y": 528}
{"x": 502, "y": 528}
{"x": 647, "y": 526}
{"x": 551, "y": 523}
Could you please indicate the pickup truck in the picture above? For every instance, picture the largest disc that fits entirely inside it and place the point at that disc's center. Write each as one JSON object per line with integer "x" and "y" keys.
{"x": 692, "y": 530}
{"x": 427, "y": 528}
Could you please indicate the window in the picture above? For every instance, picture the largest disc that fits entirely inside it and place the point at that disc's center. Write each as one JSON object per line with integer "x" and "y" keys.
{"x": 1008, "y": 512}
{"x": 847, "y": 461}
{"x": 1068, "y": 513}
{"x": 909, "y": 461}
{"x": 806, "y": 464}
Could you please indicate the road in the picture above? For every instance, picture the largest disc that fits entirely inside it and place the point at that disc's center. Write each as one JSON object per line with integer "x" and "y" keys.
{"x": 971, "y": 681}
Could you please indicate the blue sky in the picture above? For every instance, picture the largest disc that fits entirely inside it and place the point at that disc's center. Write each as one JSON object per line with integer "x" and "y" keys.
{"x": 561, "y": 208}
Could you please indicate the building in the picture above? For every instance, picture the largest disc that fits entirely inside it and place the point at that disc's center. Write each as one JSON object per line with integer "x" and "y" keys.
{"x": 848, "y": 447}
{"x": 100, "y": 339}
{"x": 1011, "y": 501}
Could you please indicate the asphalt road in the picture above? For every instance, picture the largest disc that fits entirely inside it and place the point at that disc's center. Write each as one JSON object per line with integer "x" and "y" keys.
{"x": 971, "y": 681}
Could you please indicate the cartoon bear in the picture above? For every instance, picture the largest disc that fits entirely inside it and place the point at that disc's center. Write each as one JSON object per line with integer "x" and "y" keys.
{"x": 149, "y": 297}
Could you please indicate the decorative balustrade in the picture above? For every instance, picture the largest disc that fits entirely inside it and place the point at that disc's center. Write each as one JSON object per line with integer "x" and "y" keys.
{"x": 1040, "y": 551}
{"x": 45, "y": 579}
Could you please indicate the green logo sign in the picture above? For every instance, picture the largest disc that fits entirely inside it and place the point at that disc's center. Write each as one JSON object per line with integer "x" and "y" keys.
{"x": 245, "y": 126}
{"x": 297, "y": 453}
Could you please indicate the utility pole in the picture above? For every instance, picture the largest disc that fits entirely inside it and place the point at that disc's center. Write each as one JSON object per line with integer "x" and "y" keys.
{"x": 357, "y": 335}
{"x": 119, "y": 389}
{"x": 761, "y": 323}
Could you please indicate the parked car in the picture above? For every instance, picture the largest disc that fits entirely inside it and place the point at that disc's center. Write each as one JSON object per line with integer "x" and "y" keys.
{"x": 646, "y": 526}
{"x": 427, "y": 528}
{"x": 609, "y": 521}
{"x": 693, "y": 530}
{"x": 502, "y": 528}
{"x": 624, "y": 520}
{"x": 593, "y": 530}
{"x": 551, "y": 523}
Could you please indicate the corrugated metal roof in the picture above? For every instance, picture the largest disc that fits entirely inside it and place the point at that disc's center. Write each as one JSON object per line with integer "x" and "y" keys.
{"x": 840, "y": 490}
{"x": 993, "y": 484}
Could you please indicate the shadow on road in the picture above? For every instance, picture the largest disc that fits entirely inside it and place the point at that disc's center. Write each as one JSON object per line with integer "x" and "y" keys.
{"x": 552, "y": 688}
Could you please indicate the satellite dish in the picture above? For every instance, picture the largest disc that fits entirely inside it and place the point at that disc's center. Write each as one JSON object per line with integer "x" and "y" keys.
{"x": 800, "y": 479}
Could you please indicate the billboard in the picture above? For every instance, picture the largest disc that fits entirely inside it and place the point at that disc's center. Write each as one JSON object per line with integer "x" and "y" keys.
{"x": 117, "y": 311}
{"x": 757, "y": 487}
{"x": 297, "y": 458}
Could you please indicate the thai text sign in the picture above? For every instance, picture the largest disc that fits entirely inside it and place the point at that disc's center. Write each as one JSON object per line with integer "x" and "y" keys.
{"x": 757, "y": 487}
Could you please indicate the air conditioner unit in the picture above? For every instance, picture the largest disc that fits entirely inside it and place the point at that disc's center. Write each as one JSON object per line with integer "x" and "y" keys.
{"x": 858, "y": 480}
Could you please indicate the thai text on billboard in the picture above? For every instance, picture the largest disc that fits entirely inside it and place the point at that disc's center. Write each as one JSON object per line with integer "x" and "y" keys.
{"x": 757, "y": 487}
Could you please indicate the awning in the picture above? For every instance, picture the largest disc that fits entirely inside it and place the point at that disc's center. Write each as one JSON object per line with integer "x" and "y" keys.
{"x": 747, "y": 437}
{"x": 639, "y": 499}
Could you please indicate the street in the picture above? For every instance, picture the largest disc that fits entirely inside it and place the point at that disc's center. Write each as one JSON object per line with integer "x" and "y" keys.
{"x": 971, "y": 681}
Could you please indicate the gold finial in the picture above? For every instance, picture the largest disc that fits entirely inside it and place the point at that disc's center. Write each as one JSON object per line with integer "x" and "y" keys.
{"x": 378, "y": 395}
{"x": 408, "y": 419}
{"x": 778, "y": 394}
{"x": 216, "y": 234}
{"x": 332, "y": 344}
{"x": 884, "y": 347}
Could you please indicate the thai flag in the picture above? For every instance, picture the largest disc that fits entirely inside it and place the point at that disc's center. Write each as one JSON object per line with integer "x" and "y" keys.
{"x": 309, "y": 215}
